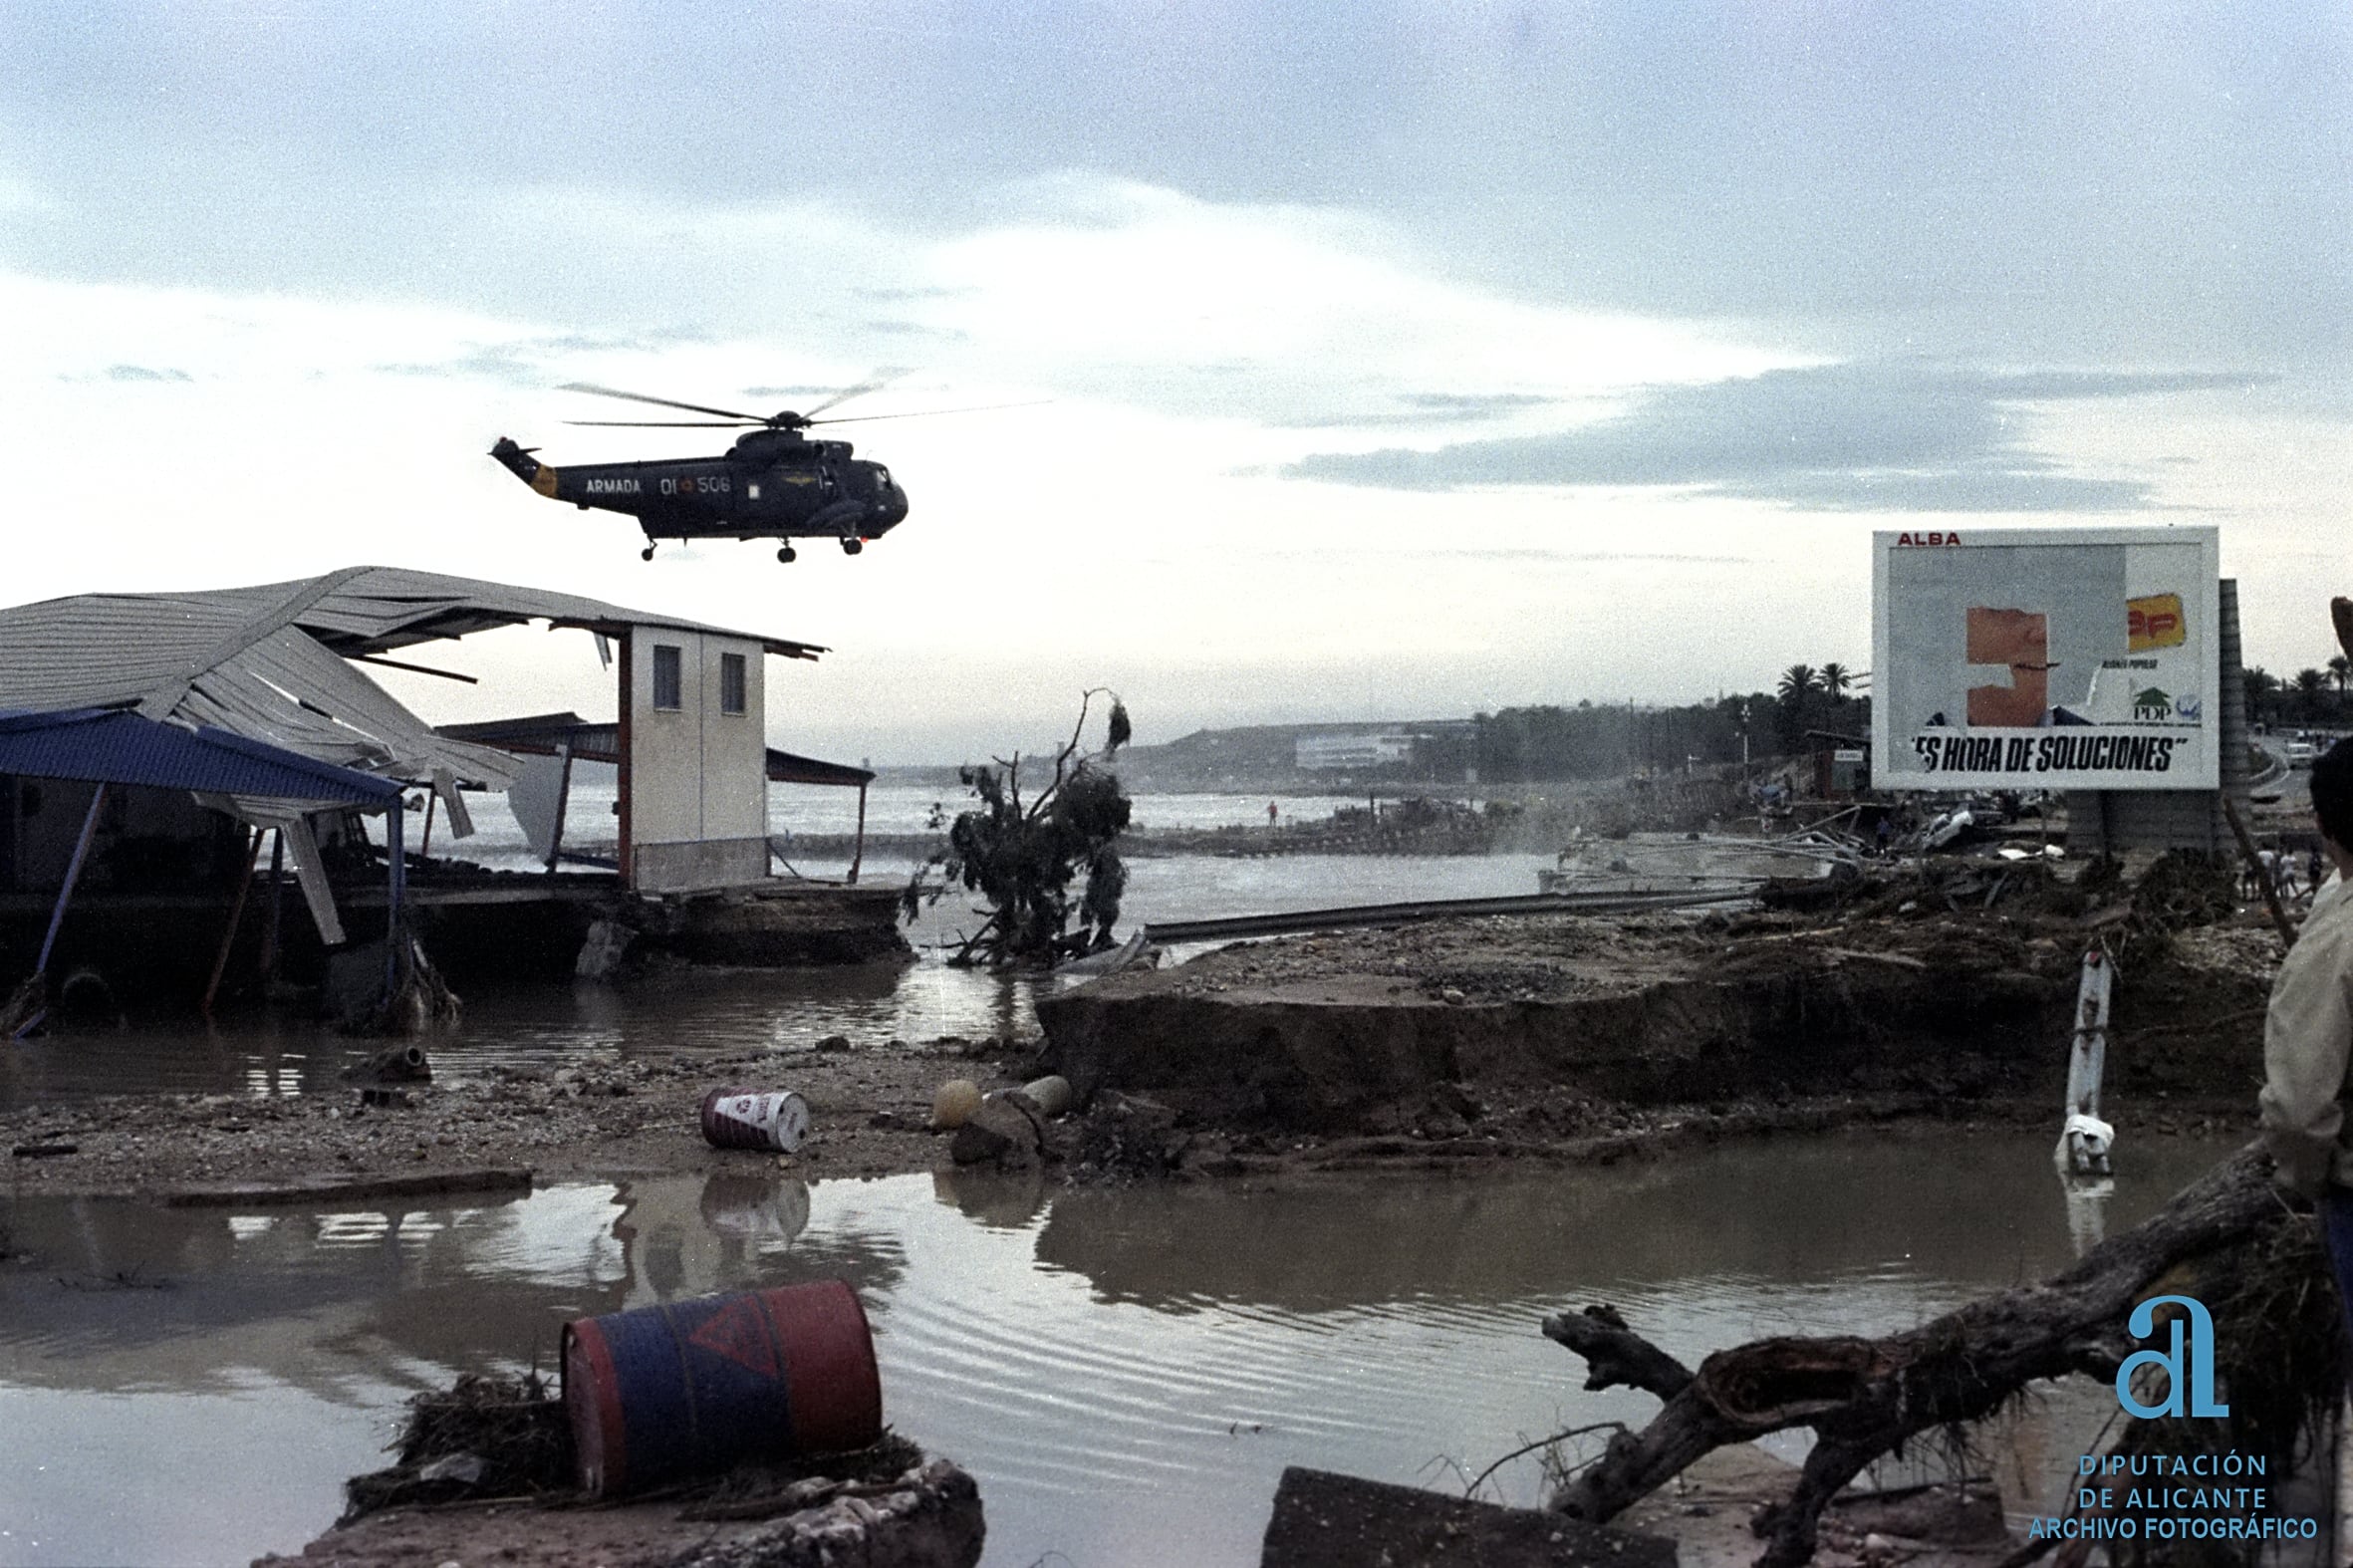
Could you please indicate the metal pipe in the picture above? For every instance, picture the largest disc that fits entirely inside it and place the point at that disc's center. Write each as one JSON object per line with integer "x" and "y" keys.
{"x": 424, "y": 847}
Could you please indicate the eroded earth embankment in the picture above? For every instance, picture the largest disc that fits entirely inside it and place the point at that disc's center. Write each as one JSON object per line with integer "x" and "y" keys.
{"x": 1531, "y": 1024}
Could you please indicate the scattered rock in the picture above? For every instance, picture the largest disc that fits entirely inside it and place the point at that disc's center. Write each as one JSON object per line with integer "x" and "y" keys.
{"x": 955, "y": 1104}
{"x": 1005, "y": 1129}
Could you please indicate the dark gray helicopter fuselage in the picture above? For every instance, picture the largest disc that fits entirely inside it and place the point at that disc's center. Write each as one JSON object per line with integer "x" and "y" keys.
{"x": 771, "y": 485}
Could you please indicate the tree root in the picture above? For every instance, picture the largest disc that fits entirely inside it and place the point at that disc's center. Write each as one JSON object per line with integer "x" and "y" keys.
{"x": 1864, "y": 1398}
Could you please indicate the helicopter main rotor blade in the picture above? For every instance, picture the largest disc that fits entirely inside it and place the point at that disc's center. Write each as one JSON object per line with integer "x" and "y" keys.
{"x": 671, "y": 424}
{"x": 874, "y": 382}
{"x": 926, "y": 414}
{"x": 664, "y": 402}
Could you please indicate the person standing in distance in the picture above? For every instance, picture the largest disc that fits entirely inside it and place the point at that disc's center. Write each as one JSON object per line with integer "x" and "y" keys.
{"x": 2308, "y": 1031}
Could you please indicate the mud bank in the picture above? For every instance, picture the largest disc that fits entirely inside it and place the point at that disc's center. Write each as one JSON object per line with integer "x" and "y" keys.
{"x": 868, "y": 1104}
{"x": 1455, "y": 1044}
{"x": 1543, "y": 1022}
{"x": 930, "y": 1516}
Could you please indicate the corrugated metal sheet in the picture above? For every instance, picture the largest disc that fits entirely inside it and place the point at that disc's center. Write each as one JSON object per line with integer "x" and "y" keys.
{"x": 268, "y": 662}
{"x": 539, "y": 733}
{"x": 115, "y": 747}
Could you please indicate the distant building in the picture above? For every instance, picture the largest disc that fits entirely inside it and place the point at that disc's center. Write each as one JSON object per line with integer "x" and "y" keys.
{"x": 1344, "y": 753}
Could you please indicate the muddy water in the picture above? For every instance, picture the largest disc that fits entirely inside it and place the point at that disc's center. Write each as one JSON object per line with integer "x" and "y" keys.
{"x": 741, "y": 1010}
{"x": 1126, "y": 1371}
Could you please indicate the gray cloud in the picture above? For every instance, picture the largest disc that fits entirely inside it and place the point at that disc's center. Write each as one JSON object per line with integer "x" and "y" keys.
{"x": 523, "y": 362}
{"x": 140, "y": 373}
{"x": 1427, "y": 409}
{"x": 1901, "y": 436}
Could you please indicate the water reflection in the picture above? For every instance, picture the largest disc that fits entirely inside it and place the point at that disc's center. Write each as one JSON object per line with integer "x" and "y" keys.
{"x": 1127, "y": 1372}
{"x": 1000, "y": 1199}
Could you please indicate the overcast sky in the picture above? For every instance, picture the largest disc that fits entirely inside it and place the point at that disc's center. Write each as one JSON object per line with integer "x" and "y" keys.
{"x": 1403, "y": 362}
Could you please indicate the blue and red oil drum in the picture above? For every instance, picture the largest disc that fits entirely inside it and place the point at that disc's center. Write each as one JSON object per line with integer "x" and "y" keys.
{"x": 694, "y": 1387}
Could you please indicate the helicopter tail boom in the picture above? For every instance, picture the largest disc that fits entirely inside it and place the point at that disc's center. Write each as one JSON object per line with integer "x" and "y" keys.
{"x": 518, "y": 462}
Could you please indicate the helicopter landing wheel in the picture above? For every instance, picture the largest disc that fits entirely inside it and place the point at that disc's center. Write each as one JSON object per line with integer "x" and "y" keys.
{"x": 785, "y": 553}
{"x": 853, "y": 546}
{"x": 646, "y": 554}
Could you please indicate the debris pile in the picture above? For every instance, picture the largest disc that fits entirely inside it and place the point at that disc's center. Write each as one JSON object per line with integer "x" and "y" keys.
{"x": 503, "y": 1448}
{"x": 483, "y": 1437}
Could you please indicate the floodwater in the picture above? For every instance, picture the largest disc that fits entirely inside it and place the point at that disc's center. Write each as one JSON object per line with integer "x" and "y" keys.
{"x": 1126, "y": 1373}
{"x": 716, "y": 1010}
{"x": 890, "y": 809}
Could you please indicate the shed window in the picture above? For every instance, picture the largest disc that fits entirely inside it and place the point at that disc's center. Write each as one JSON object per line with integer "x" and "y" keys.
{"x": 665, "y": 678}
{"x": 730, "y": 682}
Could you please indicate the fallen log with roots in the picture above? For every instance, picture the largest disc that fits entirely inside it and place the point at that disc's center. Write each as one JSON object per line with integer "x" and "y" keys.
{"x": 2233, "y": 1238}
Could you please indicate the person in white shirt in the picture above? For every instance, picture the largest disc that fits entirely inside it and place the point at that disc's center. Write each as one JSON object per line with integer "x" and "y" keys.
{"x": 2308, "y": 1031}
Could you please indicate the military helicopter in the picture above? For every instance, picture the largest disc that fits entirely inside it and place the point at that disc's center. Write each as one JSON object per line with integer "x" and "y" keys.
{"x": 773, "y": 483}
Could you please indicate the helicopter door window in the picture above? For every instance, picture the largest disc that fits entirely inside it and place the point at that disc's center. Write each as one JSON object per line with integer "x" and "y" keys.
{"x": 752, "y": 489}
{"x": 667, "y": 683}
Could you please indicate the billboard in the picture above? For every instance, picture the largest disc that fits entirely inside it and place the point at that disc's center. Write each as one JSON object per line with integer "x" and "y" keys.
{"x": 2046, "y": 659}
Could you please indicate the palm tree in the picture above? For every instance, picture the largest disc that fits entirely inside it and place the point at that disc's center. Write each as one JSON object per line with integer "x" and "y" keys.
{"x": 2308, "y": 685}
{"x": 2260, "y": 683}
{"x": 2340, "y": 669}
{"x": 1834, "y": 681}
{"x": 1797, "y": 681}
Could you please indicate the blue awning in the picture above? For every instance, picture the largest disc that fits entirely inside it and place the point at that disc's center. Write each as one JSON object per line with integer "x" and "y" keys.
{"x": 117, "y": 746}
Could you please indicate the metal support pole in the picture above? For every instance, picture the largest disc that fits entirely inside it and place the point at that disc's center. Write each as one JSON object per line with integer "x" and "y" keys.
{"x": 857, "y": 849}
{"x": 269, "y": 940}
{"x": 425, "y": 847}
{"x": 395, "y": 884}
{"x": 228, "y": 938}
{"x": 57, "y": 915}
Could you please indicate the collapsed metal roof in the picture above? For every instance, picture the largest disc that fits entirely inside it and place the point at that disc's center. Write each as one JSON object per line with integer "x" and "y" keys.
{"x": 270, "y": 661}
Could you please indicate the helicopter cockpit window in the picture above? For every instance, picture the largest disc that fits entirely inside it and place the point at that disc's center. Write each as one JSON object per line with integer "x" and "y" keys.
{"x": 882, "y": 478}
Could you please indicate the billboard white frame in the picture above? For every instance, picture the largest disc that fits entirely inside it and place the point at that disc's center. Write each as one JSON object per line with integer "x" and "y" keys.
{"x": 2082, "y": 706}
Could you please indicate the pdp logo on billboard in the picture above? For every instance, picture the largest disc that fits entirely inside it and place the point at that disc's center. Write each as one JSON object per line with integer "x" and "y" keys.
{"x": 2189, "y": 1365}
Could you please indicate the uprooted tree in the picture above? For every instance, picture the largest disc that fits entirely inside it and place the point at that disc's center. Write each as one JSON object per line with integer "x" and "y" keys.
{"x": 2231, "y": 1240}
{"x": 1022, "y": 856}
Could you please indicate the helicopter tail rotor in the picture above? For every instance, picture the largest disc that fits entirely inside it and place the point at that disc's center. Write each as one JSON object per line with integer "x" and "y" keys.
{"x": 518, "y": 462}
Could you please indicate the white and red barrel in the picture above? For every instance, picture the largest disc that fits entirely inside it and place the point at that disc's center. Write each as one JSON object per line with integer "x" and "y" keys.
{"x": 755, "y": 1119}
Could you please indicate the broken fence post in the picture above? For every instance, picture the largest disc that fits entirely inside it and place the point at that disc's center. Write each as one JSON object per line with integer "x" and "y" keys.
{"x": 2084, "y": 1138}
